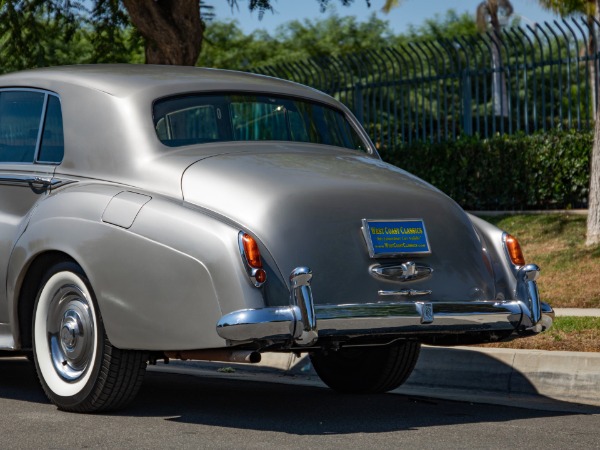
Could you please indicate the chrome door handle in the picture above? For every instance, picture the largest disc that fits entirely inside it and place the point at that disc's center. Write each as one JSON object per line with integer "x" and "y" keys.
{"x": 45, "y": 181}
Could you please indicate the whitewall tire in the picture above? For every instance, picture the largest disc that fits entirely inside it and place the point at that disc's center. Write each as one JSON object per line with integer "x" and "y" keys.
{"x": 77, "y": 365}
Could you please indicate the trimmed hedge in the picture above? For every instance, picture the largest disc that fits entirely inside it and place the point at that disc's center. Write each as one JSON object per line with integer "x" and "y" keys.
{"x": 509, "y": 172}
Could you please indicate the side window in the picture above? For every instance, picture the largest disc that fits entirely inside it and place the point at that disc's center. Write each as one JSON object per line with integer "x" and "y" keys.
{"x": 52, "y": 147}
{"x": 20, "y": 114}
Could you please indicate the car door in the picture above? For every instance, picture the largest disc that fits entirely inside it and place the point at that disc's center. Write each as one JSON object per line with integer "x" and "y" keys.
{"x": 31, "y": 145}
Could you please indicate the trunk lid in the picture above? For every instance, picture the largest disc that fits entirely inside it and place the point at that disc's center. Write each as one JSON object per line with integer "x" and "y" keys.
{"x": 306, "y": 205}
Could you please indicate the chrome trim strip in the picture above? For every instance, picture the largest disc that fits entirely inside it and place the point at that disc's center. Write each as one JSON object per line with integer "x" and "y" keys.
{"x": 38, "y": 143}
{"x": 404, "y": 293}
{"x": 28, "y": 180}
{"x": 27, "y": 89}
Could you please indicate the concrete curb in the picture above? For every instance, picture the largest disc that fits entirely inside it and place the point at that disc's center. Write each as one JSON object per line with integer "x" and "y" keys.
{"x": 487, "y": 375}
{"x": 572, "y": 377}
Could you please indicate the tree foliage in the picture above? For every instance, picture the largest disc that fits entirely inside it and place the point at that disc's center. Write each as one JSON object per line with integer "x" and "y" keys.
{"x": 171, "y": 32}
{"x": 38, "y": 33}
{"x": 568, "y": 7}
{"x": 446, "y": 26}
{"x": 29, "y": 30}
{"x": 228, "y": 47}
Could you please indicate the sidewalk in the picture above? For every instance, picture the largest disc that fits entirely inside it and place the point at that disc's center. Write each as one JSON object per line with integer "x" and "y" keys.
{"x": 577, "y": 312}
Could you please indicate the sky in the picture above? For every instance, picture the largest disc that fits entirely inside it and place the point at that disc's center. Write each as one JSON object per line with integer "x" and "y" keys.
{"x": 410, "y": 12}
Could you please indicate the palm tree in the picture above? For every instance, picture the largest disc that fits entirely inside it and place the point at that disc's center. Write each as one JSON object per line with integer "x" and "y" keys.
{"x": 389, "y": 4}
{"x": 488, "y": 16}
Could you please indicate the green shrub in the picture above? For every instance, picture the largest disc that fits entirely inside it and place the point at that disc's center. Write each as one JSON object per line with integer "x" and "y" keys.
{"x": 510, "y": 172}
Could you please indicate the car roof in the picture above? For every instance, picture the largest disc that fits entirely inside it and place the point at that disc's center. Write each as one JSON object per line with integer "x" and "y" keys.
{"x": 122, "y": 80}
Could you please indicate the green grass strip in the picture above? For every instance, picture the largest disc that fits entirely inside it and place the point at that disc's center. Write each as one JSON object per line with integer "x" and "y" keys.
{"x": 569, "y": 324}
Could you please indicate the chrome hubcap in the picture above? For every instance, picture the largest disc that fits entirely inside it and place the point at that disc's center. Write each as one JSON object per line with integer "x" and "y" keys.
{"x": 70, "y": 328}
{"x": 70, "y": 331}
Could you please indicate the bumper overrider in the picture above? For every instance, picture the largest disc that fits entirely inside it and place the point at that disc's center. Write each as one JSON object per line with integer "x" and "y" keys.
{"x": 303, "y": 323}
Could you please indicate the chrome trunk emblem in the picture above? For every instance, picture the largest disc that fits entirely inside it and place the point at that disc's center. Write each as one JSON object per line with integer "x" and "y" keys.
{"x": 407, "y": 271}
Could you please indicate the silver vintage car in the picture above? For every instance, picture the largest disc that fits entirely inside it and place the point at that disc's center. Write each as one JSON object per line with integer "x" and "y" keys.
{"x": 156, "y": 212}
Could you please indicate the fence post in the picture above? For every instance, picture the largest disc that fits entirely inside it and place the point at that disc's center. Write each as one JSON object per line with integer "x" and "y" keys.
{"x": 465, "y": 81}
{"x": 358, "y": 102}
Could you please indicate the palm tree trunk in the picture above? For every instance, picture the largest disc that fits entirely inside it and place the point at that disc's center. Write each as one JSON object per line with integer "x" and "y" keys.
{"x": 592, "y": 64}
{"x": 593, "y": 221}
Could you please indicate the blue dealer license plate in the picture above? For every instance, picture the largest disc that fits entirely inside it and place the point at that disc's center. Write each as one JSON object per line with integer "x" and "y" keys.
{"x": 389, "y": 238}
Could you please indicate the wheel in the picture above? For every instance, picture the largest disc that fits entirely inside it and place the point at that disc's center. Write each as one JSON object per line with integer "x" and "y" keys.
{"x": 78, "y": 367}
{"x": 367, "y": 370}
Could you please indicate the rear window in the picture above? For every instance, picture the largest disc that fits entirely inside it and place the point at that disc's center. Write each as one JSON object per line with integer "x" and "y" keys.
{"x": 197, "y": 119}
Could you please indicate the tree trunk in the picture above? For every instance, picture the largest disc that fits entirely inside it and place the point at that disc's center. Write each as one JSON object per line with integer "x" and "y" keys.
{"x": 593, "y": 221}
{"x": 592, "y": 63}
{"x": 173, "y": 30}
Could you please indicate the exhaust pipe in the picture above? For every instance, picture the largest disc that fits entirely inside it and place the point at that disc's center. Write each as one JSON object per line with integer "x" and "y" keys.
{"x": 222, "y": 355}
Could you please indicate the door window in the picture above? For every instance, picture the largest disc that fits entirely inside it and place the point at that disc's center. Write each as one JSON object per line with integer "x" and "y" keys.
{"x": 52, "y": 147}
{"x": 22, "y": 114}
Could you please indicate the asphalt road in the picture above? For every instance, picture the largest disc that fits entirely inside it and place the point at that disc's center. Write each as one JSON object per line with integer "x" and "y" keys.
{"x": 187, "y": 411}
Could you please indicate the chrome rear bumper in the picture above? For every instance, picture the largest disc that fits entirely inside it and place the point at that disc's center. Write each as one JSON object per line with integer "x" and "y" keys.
{"x": 298, "y": 322}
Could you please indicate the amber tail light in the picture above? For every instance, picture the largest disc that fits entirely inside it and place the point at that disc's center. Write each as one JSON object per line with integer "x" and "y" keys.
{"x": 514, "y": 250}
{"x": 252, "y": 252}
{"x": 252, "y": 259}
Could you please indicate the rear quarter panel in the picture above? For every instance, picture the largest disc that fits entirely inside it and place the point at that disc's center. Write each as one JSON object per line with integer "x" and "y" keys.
{"x": 162, "y": 284}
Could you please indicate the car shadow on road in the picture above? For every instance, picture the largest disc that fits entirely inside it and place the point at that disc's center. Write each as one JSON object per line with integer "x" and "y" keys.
{"x": 18, "y": 381}
{"x": 305, "y": 410}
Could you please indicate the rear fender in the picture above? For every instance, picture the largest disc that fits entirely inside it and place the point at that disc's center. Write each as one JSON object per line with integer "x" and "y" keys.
{"x": 161, "y": 284}
{"x": 493, "y": 247}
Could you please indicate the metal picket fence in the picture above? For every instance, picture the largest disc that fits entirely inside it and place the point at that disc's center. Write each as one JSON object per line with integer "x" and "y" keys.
{"x": 524, "y": 79}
